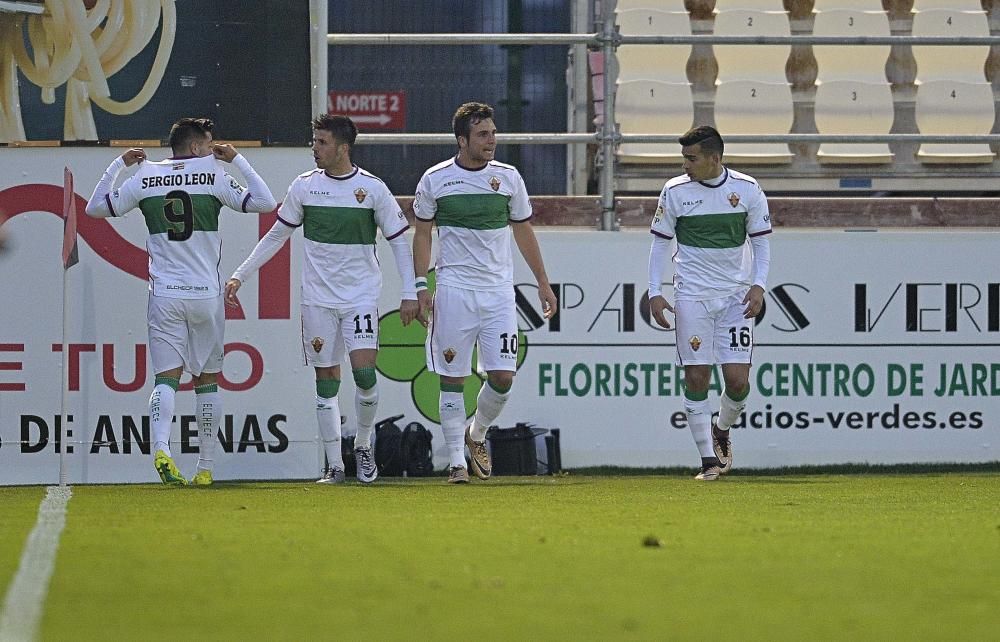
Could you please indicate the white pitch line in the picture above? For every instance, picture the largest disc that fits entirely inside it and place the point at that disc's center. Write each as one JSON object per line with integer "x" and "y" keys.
{"x": 22, "y": 608}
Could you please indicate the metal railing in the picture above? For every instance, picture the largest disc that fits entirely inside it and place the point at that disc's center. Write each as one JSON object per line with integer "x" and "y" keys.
{"x": 607, "y": 40}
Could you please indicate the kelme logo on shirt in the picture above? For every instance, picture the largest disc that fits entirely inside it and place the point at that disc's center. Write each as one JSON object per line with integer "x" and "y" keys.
{"x": 734, "y": 199}
{"x": 495, "y": 183}
{"x": 360, "y": 194}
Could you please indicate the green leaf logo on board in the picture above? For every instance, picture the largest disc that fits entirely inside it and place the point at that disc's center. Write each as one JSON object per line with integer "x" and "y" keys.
{"x": 402, "y": 357}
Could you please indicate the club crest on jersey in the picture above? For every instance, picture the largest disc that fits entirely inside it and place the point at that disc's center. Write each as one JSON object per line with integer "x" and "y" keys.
{"x": 317, "y": 344}
{"x": 734, "y": 199}
{"x": 177, "y": 166}
{"x": 360, "y": 194}
{"x": 695, "y": 342}
{"x": 495, "y": 183}
{"x": 449, "y": 355}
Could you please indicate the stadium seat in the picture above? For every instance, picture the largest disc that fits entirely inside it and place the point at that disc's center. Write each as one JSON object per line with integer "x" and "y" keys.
{"x": 863, "y": 63}
{"x": 853, "y": 5}
{"x": 652, "y": 107}
{"x": 949, "y": 107}
{"x": 660, "y": 5}
{"x": 752, "y": 107}
{"x": 667, "y": 63}
{"x": 955, "y": 5}
{"x": 958, "y": 62}
{"x": 845, "y": 107}
{"x": 752, "y": 5}
{"x": 752, "y": 62}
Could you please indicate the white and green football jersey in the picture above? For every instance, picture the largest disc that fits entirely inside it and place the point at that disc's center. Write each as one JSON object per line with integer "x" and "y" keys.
{"x": 473, "y": 209}
{"x": 340, "y": 218}
{"x": 180, "y": 199}
{"x": 711, "y": 224}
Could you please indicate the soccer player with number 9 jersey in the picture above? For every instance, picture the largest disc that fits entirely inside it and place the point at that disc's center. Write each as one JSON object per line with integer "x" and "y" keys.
{"x": 180, "y": 199}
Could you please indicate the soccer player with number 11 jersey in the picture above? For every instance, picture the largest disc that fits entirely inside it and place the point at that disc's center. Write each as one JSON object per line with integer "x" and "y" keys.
{"x": 340, "y": 208}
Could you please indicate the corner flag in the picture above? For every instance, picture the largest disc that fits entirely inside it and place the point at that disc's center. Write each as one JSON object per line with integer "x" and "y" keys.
{"x": 70, "y": 254}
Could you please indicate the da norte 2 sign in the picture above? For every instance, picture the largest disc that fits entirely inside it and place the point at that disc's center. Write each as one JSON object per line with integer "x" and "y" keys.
{"x": 370, "y": 109}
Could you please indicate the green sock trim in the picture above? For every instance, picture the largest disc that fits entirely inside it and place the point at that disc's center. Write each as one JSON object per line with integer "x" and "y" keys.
{"x": 695, "y": 396}
{"x": 167, "y": 381}
{"x": 452, "y": 387}
{"x": 364, "y": 378}
{"x": 208, "y": 387}
{"x": 738, "y": 397}
{"x": 327, "y": 388}
{"x": 499, "y": 390}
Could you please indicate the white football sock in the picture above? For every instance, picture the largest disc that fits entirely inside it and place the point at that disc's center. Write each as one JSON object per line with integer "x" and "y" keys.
{"x": 489, "y": 405}
{"x": 161, "y": 414}
{"x": 700, "y": 423}
{"x": 729, "y": 411}
{"x": 365, "y": 407}
{"x": 208, "y": 408}
{"x": 328, "y": 418}
{"x": 452, "y": 406}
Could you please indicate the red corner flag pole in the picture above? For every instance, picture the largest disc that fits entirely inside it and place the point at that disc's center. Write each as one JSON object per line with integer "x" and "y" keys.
{"x": 70, "y": 257}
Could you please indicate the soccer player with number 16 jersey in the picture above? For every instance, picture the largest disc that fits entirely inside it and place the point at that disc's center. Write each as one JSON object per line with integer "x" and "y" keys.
{"x": 720, "y": 221}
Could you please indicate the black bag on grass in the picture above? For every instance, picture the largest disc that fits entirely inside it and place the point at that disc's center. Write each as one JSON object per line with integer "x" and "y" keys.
{"x": 416, "y": 452}
{"x": 388, "y": 439}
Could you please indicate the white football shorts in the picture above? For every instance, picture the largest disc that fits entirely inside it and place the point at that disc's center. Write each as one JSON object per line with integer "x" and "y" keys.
{"x": 713, "y": 331}
{"x": 186, "y": 333}
{"x": 464, "y": 318}
{"x": 327, "y": 333}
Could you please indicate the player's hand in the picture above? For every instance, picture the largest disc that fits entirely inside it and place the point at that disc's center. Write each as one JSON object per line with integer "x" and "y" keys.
{"x": 408, "y": 310}
{"x": 424, "y": 305}
{"x": 754, "y": 300}
{"x": 548, "y": 299}
{"x": 657, "y": 304}
{"x": 133, "y": 156}
{"x": 224, "y": 152}
{"x": 232, "y": 287}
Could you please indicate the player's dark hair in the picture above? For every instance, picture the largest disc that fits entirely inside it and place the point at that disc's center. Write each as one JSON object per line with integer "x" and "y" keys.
{"x": 187, "y": 130}
{"x": 468, "y": 115}
{"x": 709, "y": 139}
{"x": 342, "y": 128}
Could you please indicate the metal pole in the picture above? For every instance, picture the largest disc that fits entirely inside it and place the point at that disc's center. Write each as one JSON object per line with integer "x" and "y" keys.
{"x": 608, "y": 221}
{"x": 62, "y": 436}
{"x": 595, "y": 39}
{"x": 462, "y": 38}
{"x": 577, "y": 80}
{"x": 515, "y": 76}
{"x": 319, "y": 53}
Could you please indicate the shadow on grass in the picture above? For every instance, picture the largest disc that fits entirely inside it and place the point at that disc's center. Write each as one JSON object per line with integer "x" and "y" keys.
{"x": 830, "y": 469}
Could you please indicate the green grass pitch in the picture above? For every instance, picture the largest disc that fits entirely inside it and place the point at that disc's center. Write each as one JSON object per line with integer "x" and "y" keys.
{"x": 828, "y": 557}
